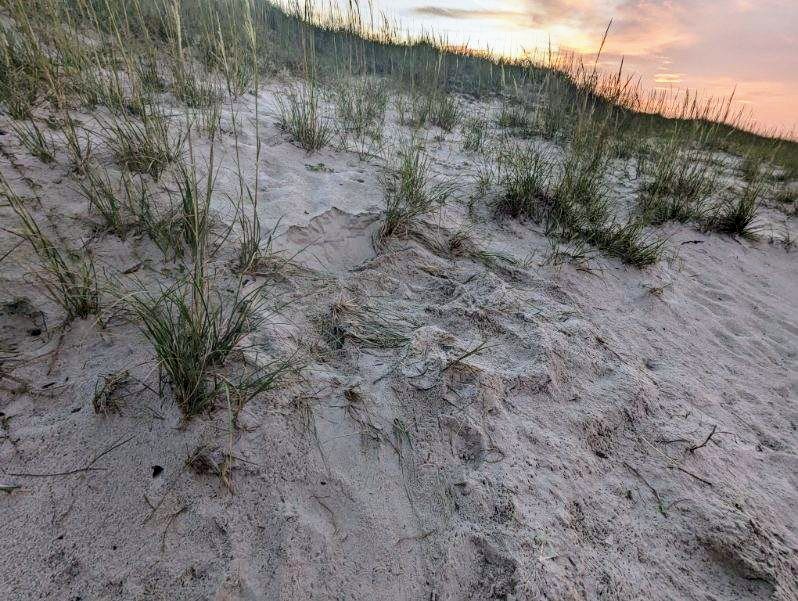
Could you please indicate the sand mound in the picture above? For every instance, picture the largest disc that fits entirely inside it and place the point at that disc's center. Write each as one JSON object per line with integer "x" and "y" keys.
{"x": 471, "y": 422}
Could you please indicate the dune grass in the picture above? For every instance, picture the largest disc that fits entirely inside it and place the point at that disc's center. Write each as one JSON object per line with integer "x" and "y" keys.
{"x": 582, "y": 207}
{"x": 79, "y": 145}
{"x": 146, "y": 146}
{"x": 785, "y": 196}
{"x": 196, "y": 324}
{"x": 737, "y": 213}
{"x": 217, "y": 35}
{"x": 677, "y": 182}
{"x": 410, "y": 192}
{"x": 302, "y": 115}
{"x": 516, "y": 118}
{"x": 569, "y": 193}
{"x": 31, "y": 136}
{"x": 474, "y": 130}
{"x": 68, "y": 276}
{"x": 525, "y": 179}
{"x": 148, "y": 48}
{"x": 360, "y": 106}
{"x": 103, "y": 200}
{"x": 443, "y": 111}
{"x": 194, "y": 328}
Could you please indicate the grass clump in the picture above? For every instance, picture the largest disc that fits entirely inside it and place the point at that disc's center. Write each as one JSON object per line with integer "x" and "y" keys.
{"x": 208, "y": 120}
{"x": 751, "y": 167}
{"x": 146, "y": 146}
{"x": 24, "y": 72}
{"x": 786, "y": 195}
{"x": 69, "y": 277}
{"x": 78, "y": 144}
{"x": 103, "y": 200}
{"x": 516, "y": 118}
{"x": 580, "y": 194}
{"x": 569, "y": 194}
{"x": 429, "y": 105}
{"x": 581, "y": 208}
{"x": 360, "y": 106}
{"x": 162, "y": 226}
{"x": 444, "y": 111}
{"x": 194, "y": 203}
{"x": 33, "y": 138}
{"x": 197, "y": 324}
{"x": 737, "y": 214}
{"x": 410, "y": 192}
{"x": 126, "y": 205}
{"x": 95, "y": 87}
{"x": 474, "y": 134}
{"x": 524, "y": 176}
{"x": 627, "y": 241}
{"x": 677, "y": 183}
{"x": 146, "y": 72}
{"x": 190, "y": 90}
{"x": 302, "y": 117}
{"x": 250, "y": 247}
{"x": 194, "y": 329}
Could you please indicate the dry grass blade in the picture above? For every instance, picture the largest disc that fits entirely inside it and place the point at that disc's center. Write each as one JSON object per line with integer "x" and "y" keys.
{"x": 366, "y": 325}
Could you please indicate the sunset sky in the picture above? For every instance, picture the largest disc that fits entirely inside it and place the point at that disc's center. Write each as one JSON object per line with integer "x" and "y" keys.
{"x": 709, "y": 46}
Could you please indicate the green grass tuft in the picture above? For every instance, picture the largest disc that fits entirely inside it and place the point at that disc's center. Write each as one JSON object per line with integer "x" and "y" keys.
{"x": 302, "y": 116}
{"x": 144, "y": 147}
{"x": 194, "y": 329}
{"x": 69, "y": 277}
{"x": 410, "y": 192}
{"x": 33, "y": 138}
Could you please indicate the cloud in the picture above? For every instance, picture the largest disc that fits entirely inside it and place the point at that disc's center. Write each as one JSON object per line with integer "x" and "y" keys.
{"x": 639, "y": 26}
{"x": 463, "y": 13}
{"x": 669, "y": 78}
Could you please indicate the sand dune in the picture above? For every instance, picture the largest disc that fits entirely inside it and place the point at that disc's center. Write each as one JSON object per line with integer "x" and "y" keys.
{"x": 477, "y": 416}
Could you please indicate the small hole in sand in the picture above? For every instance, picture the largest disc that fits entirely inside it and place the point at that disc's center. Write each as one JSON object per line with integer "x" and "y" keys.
{"x": 156, "y": 471}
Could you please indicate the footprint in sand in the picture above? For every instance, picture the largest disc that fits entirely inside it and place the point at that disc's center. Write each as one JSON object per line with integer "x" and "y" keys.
{"x": 334, "y": 241}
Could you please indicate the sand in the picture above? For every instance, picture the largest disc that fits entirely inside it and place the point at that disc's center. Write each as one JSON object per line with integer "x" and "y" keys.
{"x": 538, "y": 431}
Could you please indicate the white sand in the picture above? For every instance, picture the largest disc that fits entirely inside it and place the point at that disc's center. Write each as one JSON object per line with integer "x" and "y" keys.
{"x": 554, "y": 464}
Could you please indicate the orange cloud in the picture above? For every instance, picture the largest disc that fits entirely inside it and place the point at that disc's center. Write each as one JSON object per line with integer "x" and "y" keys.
{"x": 669, "y": 78}
{"x": 459, "y": 13}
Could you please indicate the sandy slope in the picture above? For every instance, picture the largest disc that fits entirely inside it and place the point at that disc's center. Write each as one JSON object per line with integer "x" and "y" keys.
{"x": 555, "y": 463}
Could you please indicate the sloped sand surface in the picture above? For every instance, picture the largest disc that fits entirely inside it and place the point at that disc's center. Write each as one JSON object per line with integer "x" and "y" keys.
{"x": 464, "y": 427}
